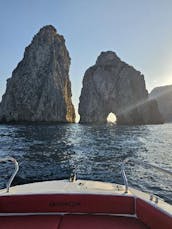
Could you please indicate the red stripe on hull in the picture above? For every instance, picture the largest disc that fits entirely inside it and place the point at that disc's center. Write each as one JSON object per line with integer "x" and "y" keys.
{"x": 72, "y": 203}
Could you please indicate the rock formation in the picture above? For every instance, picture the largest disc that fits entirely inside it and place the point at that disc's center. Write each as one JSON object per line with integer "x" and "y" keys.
{"x": 113, "y": 86}
{"x": 39, "y": 89}
{"x": 163, "y": 96}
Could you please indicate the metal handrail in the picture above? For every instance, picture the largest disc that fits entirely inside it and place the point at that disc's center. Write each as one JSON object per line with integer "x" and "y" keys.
{"x": 140, "y": 163}
{"x": 15, "y": 171}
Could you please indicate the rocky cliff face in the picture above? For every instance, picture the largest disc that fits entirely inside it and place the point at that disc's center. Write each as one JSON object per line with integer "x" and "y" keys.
{"x": 39, "y": 89}
{"x": 163, "y": 96}
{"x": 113, "y": 86}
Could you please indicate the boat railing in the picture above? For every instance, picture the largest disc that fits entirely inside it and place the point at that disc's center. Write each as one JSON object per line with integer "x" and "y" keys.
{"x": 16, "y": 168}
{"x": 144, "y": 164}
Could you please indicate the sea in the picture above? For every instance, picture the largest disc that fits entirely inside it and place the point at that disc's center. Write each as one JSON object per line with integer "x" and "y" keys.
{"x": 93, "y": 152}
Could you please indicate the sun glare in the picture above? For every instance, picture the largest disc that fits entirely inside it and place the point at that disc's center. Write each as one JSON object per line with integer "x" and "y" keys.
{"x": 111, "y": 117}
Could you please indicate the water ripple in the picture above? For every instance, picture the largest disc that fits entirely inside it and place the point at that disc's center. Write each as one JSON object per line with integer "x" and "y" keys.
{"x": 47, "y": 152}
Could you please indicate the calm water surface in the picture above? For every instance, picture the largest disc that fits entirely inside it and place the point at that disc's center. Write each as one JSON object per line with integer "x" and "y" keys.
{"x": 47, "y": 152}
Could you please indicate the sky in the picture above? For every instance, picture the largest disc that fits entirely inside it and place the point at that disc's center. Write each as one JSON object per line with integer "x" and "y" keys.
{"x": 140, "y": 32}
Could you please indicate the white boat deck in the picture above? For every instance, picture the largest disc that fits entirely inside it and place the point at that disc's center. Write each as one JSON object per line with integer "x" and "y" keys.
{"x": 65, "y": 186}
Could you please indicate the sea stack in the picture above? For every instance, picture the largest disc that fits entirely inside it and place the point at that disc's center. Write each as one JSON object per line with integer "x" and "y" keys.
{"x": 39, "y": 89}
{"x": 111, "y": 85}
{"x": 163, "y": 96}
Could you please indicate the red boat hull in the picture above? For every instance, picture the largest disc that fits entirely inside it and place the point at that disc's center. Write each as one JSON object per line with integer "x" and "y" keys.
{"x": 63, "y": 211}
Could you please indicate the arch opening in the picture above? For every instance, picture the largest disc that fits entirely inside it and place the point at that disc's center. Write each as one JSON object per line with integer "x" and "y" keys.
{"x": 111, "y": 118}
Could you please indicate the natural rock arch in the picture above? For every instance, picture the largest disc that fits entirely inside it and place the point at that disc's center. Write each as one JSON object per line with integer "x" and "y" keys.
{"x": 113, "y": 86}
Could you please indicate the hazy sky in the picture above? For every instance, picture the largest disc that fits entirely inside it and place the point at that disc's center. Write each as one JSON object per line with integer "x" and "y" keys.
{"x": 139, "y": 31}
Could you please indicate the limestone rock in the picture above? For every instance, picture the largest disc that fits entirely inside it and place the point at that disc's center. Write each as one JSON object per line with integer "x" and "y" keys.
{"x": 163, "y": 96}
{"x": 39, "y": 89}
{"x": 113, "y": 86}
